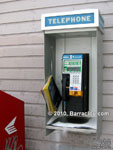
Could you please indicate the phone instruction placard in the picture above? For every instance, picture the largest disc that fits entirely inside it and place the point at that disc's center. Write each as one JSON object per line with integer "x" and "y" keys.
{"x": 72, "y": 64}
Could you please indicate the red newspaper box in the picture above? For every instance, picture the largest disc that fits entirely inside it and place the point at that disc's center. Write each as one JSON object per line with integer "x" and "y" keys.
{"x": 12, "y": 132}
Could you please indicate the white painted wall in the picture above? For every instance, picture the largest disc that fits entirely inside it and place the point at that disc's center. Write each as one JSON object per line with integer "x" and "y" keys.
{"x": 22, "y": 67}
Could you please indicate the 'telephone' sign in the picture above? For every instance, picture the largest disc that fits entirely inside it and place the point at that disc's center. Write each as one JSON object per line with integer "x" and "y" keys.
{"x": 69, "y": 19}
{"x": 87, "y": 18}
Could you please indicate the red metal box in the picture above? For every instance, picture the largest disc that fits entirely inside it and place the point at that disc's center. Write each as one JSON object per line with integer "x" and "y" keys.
{"x": 12, "y": 132}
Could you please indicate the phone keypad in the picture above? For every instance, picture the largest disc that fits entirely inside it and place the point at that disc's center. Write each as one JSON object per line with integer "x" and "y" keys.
{"x": 76, "y": 78}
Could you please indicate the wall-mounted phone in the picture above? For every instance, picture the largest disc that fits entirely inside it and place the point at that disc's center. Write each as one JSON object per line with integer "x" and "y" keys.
{"x": 79, "y": 44}
{"x": 75, "y": 82}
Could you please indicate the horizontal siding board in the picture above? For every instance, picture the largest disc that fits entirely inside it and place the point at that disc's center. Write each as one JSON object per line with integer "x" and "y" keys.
{"x": 40, "y": 145}
{"x": 110, "y": 116}
{"x": 108, "y": 60}
{"x": 108, "y": 34}
{"x": 30, "y": 15}
{"x": 108, "y": 20}
{"x": 21, "y": 85}
{"x": 108, "y": 74}
{"x": 33, "y": 145}
{"x": 4, "y": 1}
{"x": 20, "y": 28}
{"x": 22, "y": 74}
{"x": 31, "y": 4}
{"x": 78, "y": 140}
{"x": 108, "y": 87}
{"x": 35, "y": 134}
{"x": 21, "y": 62}
{"x": 108, "y": 47}
{"x": 35, "y": 110}
{"x": 107, "y": 127}
{"x": 22, "y": 50}
{"x": 28, "y": 98}
{"x": 108, "y": 101}
{"x": 36, "y": 38}
{"x": 34, "y": 122}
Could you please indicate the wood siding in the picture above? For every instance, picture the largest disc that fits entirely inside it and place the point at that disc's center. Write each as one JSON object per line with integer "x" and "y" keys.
{"x": 22, "y": 67}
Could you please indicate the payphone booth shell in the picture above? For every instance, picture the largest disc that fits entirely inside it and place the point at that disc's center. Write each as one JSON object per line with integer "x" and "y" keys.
{"x": 83, "y": 35}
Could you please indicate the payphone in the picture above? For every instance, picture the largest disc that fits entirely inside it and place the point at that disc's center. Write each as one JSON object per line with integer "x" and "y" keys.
{"x": 73, "y": 55}
{"x": 75, "y": 82}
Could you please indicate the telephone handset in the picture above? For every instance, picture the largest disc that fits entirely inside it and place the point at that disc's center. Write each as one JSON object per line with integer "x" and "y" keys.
{"x": 75, "y": 82}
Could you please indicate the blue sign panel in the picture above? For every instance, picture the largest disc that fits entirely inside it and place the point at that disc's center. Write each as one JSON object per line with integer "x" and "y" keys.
{"x": 73, "y": 56}
{"x": 74, "y": 19}
{"x": 77, "y": 56}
